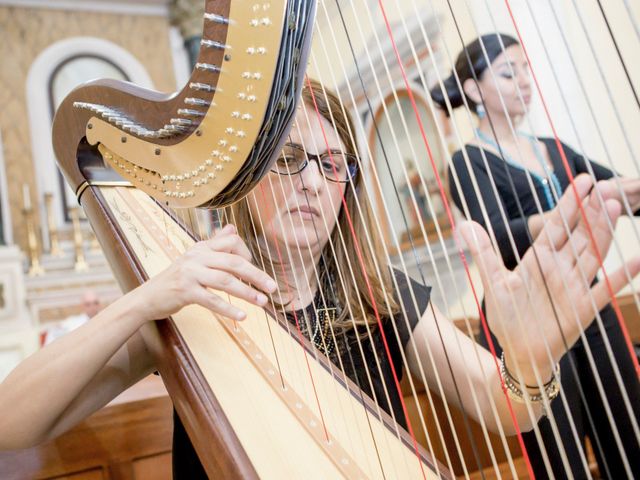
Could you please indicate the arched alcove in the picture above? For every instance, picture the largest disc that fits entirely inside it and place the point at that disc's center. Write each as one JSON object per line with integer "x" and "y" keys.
{"x": 40, "y": 105}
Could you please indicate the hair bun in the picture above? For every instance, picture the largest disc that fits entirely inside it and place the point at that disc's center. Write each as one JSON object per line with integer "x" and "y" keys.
{"x": 450, "y": 91}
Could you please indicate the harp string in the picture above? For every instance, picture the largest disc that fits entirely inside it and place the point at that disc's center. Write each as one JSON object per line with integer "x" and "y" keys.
{"x": 594, "y": 117}
{"x": 402, "y": 306}
{"x": 366, "y": 232}
{"x": 632, "y": 18}
{"x": 539, "y": 209}
{"x": 553, "y": 422}
{"x": 614, "y": 302}
{"x": 298, "y": 328}
{"x": 460, "y": 142}
{"x": 447, "y": 208}
{"x": 387, "y": 256}
{"x": 306, "y": 275}
{"x": 414, "y": 49}
{"x": 273, "y": 307}
{"x": 617, "y": 48}
{"x": 597, "y": 316}
{"x": 370, "y": 293}
{"x": 382, "y": 146}
{"x": 323, "y": 298}
{"x": 342, "y": 369}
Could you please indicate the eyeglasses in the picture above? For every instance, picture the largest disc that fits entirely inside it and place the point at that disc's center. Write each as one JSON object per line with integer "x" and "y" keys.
{"x": 336, "y": 167}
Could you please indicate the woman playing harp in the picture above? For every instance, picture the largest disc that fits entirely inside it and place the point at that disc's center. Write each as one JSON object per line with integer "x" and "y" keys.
{"x": 522, "y": 177}
{"x": 298, "y": 209}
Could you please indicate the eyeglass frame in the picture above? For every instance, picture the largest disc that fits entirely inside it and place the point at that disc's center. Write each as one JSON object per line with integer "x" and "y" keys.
{"x": 311, "y": 157}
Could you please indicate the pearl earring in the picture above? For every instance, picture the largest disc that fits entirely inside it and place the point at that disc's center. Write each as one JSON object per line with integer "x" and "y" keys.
{"x": 480, "y": 111}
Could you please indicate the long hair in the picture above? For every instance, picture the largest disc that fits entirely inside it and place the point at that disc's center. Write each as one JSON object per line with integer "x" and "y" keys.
{"x": 350, "y": 295}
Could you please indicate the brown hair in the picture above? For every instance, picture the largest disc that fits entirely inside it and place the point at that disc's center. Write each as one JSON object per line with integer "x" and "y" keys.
{"x": 329, "y": 106}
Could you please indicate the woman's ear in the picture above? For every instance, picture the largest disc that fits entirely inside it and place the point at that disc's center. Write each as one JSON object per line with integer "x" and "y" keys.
{"x": 470, "y": 87}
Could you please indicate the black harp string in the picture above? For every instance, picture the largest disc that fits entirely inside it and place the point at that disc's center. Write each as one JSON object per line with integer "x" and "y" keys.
{"x": 603, "y": 78}
{"x": 341, "y": 276}
{"x": 323, "y": 299}
{"x": 612, "y": 360}
{"x": 316, "y": 353}
{"x": 454, "y": 379}
{"x": 362, "y": 170}
{"x": 454, "y": 431}
{"x": 294, "y": 367}
{"x": 404, "y": 313}
{"x": 556, "y": 195}
{"x": 619, "y": 53}
{"x": 378, "y": 267}
{"x": 342, "y": 370}
{"x": 460, "y": 142}
{"x": 628, "y": 211}
{"x": 594, "y": 117}
{"x": 632, "y": 155}
{"x": 422, "y": 78}
{"x": 521, "y": 213}
{"x": 306, "y": 275}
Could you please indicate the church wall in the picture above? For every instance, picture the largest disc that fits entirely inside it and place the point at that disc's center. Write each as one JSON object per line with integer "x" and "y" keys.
{"x": 26, "y": 32}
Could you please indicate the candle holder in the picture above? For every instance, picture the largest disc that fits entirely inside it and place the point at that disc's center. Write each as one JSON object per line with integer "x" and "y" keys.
{"x": 35, "y": 267}
{"x": 54, "y": 243}
{"x": 81, "y": 264}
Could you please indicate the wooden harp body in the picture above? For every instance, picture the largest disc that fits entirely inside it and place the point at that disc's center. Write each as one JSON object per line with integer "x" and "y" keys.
{"x": 127, "y": 153}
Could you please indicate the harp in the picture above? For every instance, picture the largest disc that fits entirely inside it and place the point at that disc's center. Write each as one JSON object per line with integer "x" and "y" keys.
{"x": 132, "y": 156}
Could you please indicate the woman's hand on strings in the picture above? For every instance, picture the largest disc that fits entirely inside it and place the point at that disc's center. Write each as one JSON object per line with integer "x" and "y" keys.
{"x": 628, "y": 188}
{"x": 222, "y": 263}
{"x": 540, "y": 308}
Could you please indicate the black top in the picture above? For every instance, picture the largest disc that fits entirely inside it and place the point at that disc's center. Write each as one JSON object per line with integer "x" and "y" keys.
{"x": 186, "y": 464}
{"x": 507, "y": 194}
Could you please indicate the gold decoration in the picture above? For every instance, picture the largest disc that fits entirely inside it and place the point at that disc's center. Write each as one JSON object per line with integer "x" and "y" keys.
{"x": 54, "y": 244}
{"x": 81, "y": 263}
{"x": 35, "y": 268}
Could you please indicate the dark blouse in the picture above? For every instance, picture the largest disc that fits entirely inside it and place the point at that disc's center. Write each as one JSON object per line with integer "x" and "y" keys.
{"x": 186, "y": 464}
{"x": 508, "y": 192}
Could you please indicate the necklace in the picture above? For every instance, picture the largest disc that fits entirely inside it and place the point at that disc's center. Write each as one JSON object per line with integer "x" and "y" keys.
{"x": 316, "y": 325}
{"x": 547, "y": 182}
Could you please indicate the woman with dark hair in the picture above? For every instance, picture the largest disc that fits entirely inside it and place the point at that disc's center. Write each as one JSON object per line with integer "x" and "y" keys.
{"x": 510, "y": 182}
{"x": 313, "y": 206}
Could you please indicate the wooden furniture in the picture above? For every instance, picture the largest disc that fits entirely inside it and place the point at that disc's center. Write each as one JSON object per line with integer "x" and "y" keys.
{"x": 130, "y": 439}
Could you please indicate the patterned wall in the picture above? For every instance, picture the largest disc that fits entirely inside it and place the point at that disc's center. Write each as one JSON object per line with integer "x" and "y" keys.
{"x": 25, "y": 32}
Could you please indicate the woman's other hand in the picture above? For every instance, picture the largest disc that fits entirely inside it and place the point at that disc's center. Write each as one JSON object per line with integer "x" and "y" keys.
{"x": 548, "y": 299}
{"x": 628, "y": 187}
{"x": 222, "y": 263}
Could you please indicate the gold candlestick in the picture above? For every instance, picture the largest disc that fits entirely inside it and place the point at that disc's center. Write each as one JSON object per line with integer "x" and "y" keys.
{"x": 94, "y": 245}
{"x": 35, "y": 268}
{"x": 54, "y": 244}
{"x": 81, "y": 263}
